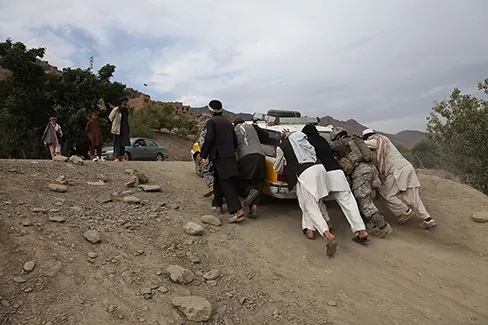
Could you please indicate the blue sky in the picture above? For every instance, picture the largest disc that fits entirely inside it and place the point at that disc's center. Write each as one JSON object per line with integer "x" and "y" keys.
{"x": 380, "y": 62}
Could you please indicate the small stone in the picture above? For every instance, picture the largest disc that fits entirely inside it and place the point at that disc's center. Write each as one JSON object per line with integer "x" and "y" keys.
{"x": 5, "y": 303}
{"x": 102, "y": 178}
{"x": 60, "y": 158}
{"x": 76, "y": 160}
{"x": 195, "y": 308}
{"x": 104, "y": 199}
{"x": 146, "y": 293}
{"x": 27, "y": 223}
{"x": 159, "y": 273}
{"x": 133, "y": 181}
{"x": 132, "y": 200}
{"x": 93, "y": 236}
{"x": 143, "y": 179}
{"x": 29, "y": 266}
{"x": 212, "y": 283}
{"x": 150, "y": 188}
{"x": 480, "y": 216}
{"x": 90, "y": 260}
{"x": 193, "y": 229}
{"x": 112, "y": 308}
{"x": 97, "y": 183}
{"x": 332, "y": 303}
{"x": 243, "y": 300}
{"x": 180, "y": 275}
{"x": 61, "y": 180}
{"x": 163, "y": 289}
{"x": 40, "y": 210}
{"x": 19, "y": 279}
{"x": 130, "y": 171}
{"x": 212, "y": 275}
{"x": 58, "y": 188}
{"x": 28, "y": 289}
{"x": 92, "y": 254}
{"x": 194, "y": 259}
{"x": 211, "y": 220}
{"x": 58, "y": 219}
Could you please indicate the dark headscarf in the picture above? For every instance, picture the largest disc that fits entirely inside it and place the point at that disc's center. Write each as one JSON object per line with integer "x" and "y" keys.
{"x": 310, "y": 130}
{"x": 123, "y": 98}
{"x": 238, "y": 121}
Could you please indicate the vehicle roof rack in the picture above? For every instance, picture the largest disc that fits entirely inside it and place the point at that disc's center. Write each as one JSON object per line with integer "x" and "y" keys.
{"x": 283, "y": 113}
{"x": 285, "y": 120}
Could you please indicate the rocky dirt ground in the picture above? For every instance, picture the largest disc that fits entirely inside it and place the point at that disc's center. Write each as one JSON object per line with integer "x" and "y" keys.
{"x": 258, "y": 272}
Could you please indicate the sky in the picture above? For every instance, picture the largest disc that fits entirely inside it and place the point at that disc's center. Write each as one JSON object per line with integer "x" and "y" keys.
{"x": 380, "y": 62}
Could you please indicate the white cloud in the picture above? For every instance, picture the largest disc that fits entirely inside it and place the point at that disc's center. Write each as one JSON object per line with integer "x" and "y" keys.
{"x": 377, "y": 60}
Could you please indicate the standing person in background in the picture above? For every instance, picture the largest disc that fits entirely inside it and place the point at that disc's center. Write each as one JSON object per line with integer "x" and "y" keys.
{"x": 220, "y": 148}
{"x": 52, "y": 137}
{"x": 94, "y": 134}
{"x": 119, "y": 117}
{"x": 252, "y": 164}
{"x": 399, "y": 183}
{"x": 207, "y": 169}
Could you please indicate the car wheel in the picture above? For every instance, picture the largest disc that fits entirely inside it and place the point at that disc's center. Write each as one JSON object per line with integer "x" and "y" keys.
{"x": 127, "y": 156}
{"x": 159, "y": 157}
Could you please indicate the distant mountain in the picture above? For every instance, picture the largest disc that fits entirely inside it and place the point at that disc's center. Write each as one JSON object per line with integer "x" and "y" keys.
{"x": 407, "y": 138}
{"x": 201, "y": 111}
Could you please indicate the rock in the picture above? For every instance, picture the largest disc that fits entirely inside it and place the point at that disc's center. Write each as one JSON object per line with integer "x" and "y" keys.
{"x": 133, "y": 181}
{"x": 58, "y": 219}
{"x": 40, "y": 210}
{"x": 27, "y": 223}
{"x": 146, "y": 293}
{"x": 480, "y": 216}
{"x": 194, "y": 259}
{"x": 180, "y": 275}
{"x": 102, "y": 178}
{"x": 60, "y": 158}
{"x": 61, "y": 180}
{"x": 29, "y": 266}
{"x": 76, "y": 160}
{"x": 93, "y": 236}
{"x": 5, "y": 303}
{"x": 212, "y": 283}
{"x": 143, "y": 179}
{"x": 92, "y": 254}
{"x": 19, "y": 279}
{"x": 58, "y": 188}
{"x": 130, "y": 171}
{"x": 132, "y": 199}
{"x": 163, "y": 289}
{"x": 104, "y": 199}
{"x": 193, "y": 229}
{"x": 28, "y": 289}
{"x": 97, "y": 183}
{"x": 212, "y": 275}
{"x": 332, "y": 303}
{"x": 195, "y": 309}
{"x": 211, "y": 220}
{"x": 150, "y": 188}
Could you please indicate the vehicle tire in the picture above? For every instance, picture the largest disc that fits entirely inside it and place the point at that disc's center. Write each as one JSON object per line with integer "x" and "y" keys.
{"x": 159, "y": 157}
{"x": 198, "y": 170}
{"x": 126, "y": 156}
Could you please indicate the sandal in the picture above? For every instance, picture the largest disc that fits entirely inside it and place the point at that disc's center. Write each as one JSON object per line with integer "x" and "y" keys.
{"x": 406, "y": 216}
{"x": 331, "y": 248}
{"x": 306, "y": 235}
{"x": 361, "y": 240}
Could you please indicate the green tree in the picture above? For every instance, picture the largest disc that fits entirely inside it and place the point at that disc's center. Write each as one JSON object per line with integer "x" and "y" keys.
{"x": 427, "y": 153}
{"x": 459, "y": 126}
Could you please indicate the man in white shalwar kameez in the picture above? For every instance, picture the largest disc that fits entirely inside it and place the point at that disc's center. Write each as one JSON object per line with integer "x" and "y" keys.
{"x": 310, "y": 178}
{"x": 400, "y": 185}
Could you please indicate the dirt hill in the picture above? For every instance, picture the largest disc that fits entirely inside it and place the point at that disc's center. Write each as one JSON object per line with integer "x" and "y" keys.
{"x": 267, "y": 271}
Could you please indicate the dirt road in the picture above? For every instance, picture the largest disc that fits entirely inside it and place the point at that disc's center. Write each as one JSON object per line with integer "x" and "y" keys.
{"x": 270, "y": 273}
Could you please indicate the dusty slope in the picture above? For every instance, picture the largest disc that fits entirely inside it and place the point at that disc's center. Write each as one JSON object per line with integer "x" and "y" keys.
{"x": 270, "y": 273}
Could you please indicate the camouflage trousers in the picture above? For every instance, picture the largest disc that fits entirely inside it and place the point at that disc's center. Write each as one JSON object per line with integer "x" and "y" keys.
{"x": 208, "y": 175}
{"x": 365, "y": 180}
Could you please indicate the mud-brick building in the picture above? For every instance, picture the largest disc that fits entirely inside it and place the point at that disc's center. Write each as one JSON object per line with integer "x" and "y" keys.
{"x": 140, "y": 100}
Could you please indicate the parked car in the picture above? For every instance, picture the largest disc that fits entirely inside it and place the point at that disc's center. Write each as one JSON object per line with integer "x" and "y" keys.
{"x": 140, "y": 149}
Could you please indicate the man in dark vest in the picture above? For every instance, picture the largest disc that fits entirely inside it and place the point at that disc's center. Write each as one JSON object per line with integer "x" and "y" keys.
{"x": 307, "y": 173}
{"x": 219, "y": 147}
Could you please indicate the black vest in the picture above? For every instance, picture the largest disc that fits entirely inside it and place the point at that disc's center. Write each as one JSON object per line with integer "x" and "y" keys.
{"x": 294, "y": 168}
{"x": 225, "y": 146}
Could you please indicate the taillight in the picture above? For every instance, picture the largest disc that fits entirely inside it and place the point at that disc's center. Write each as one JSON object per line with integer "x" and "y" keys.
{"x": 282, "y": 176}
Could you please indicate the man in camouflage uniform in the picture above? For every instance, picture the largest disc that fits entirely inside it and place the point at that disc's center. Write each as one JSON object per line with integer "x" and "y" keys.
{"x": 356, "y": 159}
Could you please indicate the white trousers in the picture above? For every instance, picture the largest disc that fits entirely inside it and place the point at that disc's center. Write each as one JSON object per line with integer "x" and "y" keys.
{"x": 349, "y": 207}
{"x": 403, "y": 200}
{"x": 311, "y": 212}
